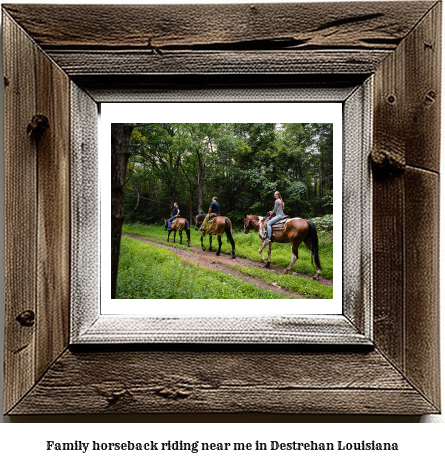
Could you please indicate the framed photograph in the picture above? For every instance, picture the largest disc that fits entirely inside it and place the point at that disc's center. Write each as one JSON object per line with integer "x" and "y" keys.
{"x": 70, "y": 350}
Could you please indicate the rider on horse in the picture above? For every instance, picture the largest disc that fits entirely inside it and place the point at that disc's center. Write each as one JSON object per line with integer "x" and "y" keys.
{"x": 175, "y": 215}
{"x": 213, "y": 212}
{"x": 279, "y": 213}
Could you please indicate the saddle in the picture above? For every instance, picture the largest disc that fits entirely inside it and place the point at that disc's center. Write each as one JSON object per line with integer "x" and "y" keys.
{"x": 210, "y": 220}
{"x": 278, "y": 226}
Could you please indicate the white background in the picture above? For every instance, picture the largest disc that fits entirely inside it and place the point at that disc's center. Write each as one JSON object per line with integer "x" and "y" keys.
{"x": 218, "y": 112}
{"x": 24, "y": 441}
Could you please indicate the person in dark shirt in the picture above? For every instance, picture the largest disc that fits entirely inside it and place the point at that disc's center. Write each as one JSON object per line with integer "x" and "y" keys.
{"x": 175, "y": 215}
{"x": 213, "y": 211}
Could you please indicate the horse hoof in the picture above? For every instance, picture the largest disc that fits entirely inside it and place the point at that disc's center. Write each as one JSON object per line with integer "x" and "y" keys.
{"x": 218, "y": 254}
{"x": 233, "y": 257}
{"x": 268, "y": 265}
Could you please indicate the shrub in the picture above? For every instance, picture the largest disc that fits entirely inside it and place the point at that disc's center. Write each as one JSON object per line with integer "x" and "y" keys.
{"x": 324, "y": 223}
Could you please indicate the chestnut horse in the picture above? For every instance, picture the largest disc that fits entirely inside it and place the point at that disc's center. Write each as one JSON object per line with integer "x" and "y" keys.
{"x": 178, "y": 225}
{"x": 296, "y": 231}
{"x": 216, "y": 227}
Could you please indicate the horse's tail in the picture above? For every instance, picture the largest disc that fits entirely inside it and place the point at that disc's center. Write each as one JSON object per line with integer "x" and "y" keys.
{"x": 314, "y": 239}
{"x": 228, "y": 231}
{"x": 187, "y": 230}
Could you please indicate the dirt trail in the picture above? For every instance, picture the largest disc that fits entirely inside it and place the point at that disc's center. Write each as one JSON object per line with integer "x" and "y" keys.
{"x": 209, "y": 260}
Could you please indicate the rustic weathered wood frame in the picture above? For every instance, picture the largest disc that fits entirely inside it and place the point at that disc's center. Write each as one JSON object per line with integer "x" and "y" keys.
{"x": 94, "y": 51}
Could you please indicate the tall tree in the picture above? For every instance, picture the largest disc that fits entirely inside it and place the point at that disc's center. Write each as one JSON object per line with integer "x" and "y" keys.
{"x": 208, "y": 144}
{"x": 157, "y": 147}
{"x": 120, "y": 153}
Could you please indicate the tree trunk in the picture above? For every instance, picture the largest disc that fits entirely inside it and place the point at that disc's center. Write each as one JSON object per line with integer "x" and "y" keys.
{"x": 200, "y": 194}
{"x": 191, "y": 206}
{"x": 120, "y": 152}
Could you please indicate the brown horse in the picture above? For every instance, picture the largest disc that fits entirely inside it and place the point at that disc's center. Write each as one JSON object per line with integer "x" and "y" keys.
{"x": 178, "y": 225}
{"x": 296, "y": 231}
{"x": 216, "y": 227}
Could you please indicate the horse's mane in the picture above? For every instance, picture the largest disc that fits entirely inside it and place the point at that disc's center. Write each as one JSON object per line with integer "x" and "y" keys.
{"x": 200, "y": 217}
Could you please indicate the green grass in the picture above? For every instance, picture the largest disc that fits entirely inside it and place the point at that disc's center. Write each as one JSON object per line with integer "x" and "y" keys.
{"x": 296, "y": 284}
{"x": 150, "y": 272}
{"x": 247, "y": 245}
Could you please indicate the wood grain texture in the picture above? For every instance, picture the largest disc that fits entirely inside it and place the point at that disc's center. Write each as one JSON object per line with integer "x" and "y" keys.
{"x": 218, "y": 87}
{"x": 406, "y": 206}
{"x": 79, "y": 63}
{"x": 153, "y": 27}
{"x": 422, "y": 281}
{"x": 388, "y": 268}
{"x": 357, "y": 208}
{"x": 53, "y": 200}
{"x": 85, "y": 207}
{"x": 223, "y": 382}
{"x": 112, "y": 329}
{"x": 38, "y": 211}
{"x": 423, "y": 91}
{"x": 20, "y": 213}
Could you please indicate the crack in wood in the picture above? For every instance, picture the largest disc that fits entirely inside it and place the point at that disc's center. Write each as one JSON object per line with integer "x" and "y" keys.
{"x": 352, "y": 19}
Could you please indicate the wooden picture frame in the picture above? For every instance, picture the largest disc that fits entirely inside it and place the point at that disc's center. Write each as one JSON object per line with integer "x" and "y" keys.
{"x": 76, "y": 56}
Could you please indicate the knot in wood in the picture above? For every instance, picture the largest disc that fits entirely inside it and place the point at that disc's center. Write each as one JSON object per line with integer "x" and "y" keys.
{"x": 172, "y": 393}
{"x": 387, "y": 162}
{"x": 430, "y": 97}
{"x": 26, "y": 318}
{"x": 114, "y": 397}
{"x": 37, "y": 126}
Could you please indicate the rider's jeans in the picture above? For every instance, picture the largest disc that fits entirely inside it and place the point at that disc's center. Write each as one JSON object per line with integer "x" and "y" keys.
{"x": 272, "y": 222}
{"x": 170, "y": 221}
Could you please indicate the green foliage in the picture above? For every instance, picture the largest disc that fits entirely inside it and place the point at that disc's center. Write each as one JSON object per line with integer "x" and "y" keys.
{"x": 324, "y": 223}
{"x": 258, "y": 208}
{"x": 150, "y": 272}
{"x": 236, "y": 216}
{"x": 242, "y": 163}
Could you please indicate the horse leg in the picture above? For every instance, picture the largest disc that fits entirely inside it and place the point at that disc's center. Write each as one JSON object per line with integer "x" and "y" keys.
{"x": 174, "y": 237}
{"x": 210, "y": 243}
{"x": 219, "y": 243}
{"x": 294, "y": 248}
{"x": 260, "y": 251}
{"x": 168, "y": 238}
{"x": 269, "y": 249}
{"x": 202, "y": 243}
{"x": 180, "y": 237}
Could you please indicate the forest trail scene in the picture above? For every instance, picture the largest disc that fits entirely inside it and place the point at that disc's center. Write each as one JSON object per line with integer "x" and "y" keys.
{"x": 182, "y": 169}
{"x": 151, "y": 267}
